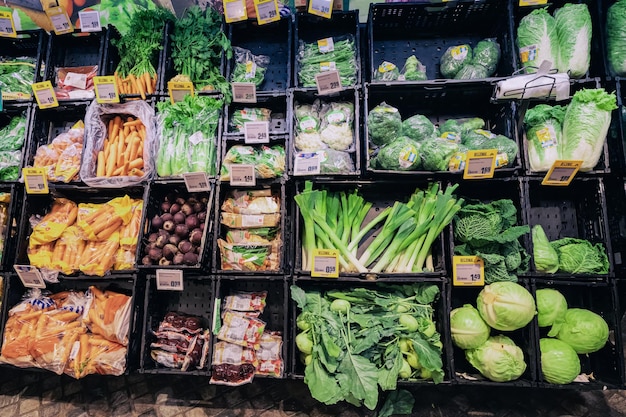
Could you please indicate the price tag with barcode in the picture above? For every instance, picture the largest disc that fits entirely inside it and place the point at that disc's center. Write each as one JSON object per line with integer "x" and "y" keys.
{"x": 242, "y": 175}
{"x": 322, "y": 8}
{"x": 7, "y": 26}
{"x": 256, "y": 132}
{"x": 90, "y": 21}
{"x": 325, "y": 263}
{"x": 328, "y": 82}
{"x": 480, "y": 164}
{"x": 169, "y": 279}
{"x": 562, "y": 173}
{"x": 35, "y": 180}
{"x": 45, "y": 95}
{"x": 196, "y": 181}
{"x": 244, "y": 92}
{"x": 106, "y": 90}
{"x": 523, "y": 3}
{"x": 30, "y": 276}
{"x": 60, "y": 20}
{"x": 306, "y": 164}
{"x": 266, "y": 11}
{"x": 235, "y": 10}
{"x": 178, "y": 91}
{"x": 468, "y": 271}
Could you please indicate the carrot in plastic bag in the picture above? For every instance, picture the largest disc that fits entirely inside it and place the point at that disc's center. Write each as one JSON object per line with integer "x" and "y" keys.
{"x": 107, "y": 219}
{"x": 62, "y": 215}
{"x": 68, "y": 163}
{"x": 40, "y": 256}
{"x": 109, "y": 315}
{"x": 98, "y": 257}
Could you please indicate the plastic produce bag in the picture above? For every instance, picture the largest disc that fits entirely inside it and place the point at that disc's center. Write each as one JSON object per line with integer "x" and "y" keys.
{"x": 616, "y": 37}
{"x": 471, "y": 71}
{"x": 16, "y": 77}
{"x": 413, "y": 70}
{"x": 96, "y": 133}
{"x": 12, "y": 136}
{"x": 453, "y": 59}
{"x": 487, "y": 54}
{"x": 248, "y": 114}
{"x": 249, "y": 68}
{"x": 62, "y": 214}
{"x": 384, "y": 124}
{"x": 436, "y": 154}
{"x": 108, "y": 315}
{"x": 336, "y": 53}
{"x": 400, "y": 155}
{"x": 75, "y": 83}
{"x": 418, "y": 128}
{"x": 336, "y": 129}
{"x": 543, "y": 135}
{"x": 10, "y": 163}
{"x": 269, "y": 162}
{"x": 386, "y": 71}
{"x": 308, "y": 126}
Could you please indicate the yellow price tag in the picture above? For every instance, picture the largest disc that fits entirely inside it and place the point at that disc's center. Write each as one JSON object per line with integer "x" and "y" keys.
{"x": 561, "y": 173}
{"x": 60, "y": 20}
{"x": 35, "y": 180}
{"x": 7, "y": 26}
{"x": 106, "y": 89}
{"x": 235, "y": 10}
{"x": 178, "y": 91}
{"x": 480, "y": 164}
{"x": 322, "y": 8}
{"x": 523, "y": 3}
{"x": 325, "y": 263}
{"x": 45, "y": 95}
{"x": 266, "y": 11}
{"x": 468, "y": 271}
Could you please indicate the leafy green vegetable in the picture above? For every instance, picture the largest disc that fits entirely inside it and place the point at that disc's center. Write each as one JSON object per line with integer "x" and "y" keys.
{"x": 573, "y": 29}
{"x": 386, "y": 71}
{"x": 397, "y": 402}
{"x": 16, "y": 77}
{"x": 10, "y": 163}
{"x": 543, "y": 134}
{"x": 585, "y": 125}
{"x": 436, "y": 154}
{"x": 506, "y": 306}
{"x": 453, "y": 59}
{"x": 475, "y": 139}
{"x": 13, "y": 134}
{"x": 537, "y": 40}
{"x": 471, "y": 71}
{"x": 507, "y": 149}
{"x": 584, "y": 330}
{"x": 418, "y": 127}
{"x": 414, "y": 70}
{"x": 468, "y": 329}
{"x": 451, "y": 130}
{"x": 119, "y": 13}
{"x": 313, "y": 59}
{"x": 400, "y": 155}
{"x": 551, "y": 307}
{"x": 269, "y": 162}
{"x": 249, "y": 68}
{"x": 384, "y": 124}
{"x": 498, "y": 359}
{"x": 579, "y": 256}
{"x": 487, "y": 55}
{"x": 545, "y": 256}
{"x": 559, "y": 361}
{"x": 239, "y": 117}
{"x": 616, "y": 37}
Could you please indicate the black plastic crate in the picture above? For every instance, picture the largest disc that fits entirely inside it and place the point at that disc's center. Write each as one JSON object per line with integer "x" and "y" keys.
{"x": 578, "y": 211}
{"x": 610, "y": 151}
{"x": 196, "y": 299}
{"x": 605, "y": 367}
{"x": 381, "y": 194}
{"x": 272, "y": 40}
{"x": 280, "y": 116}
{"x": 47, "y": 124}
{"x": 276, "y": 311}
{"x": 39, "y": 204}
{"x": 311, "y": 28}
{"x": 615, "y": 136}
{"x": 8, "y": 113}
{"x": 28, "y": 44}
{"x": 128, "y": 284}
{"x": 440, "y": 317}
{"x": 278, "y": 188}
{"x": 304, "y": 96}
{"x": 78, "y": 49}
{"x": 157, "y": 194}
{"x": 426, "y": 30}
{"x": 440, "y": 104}
{"x": 9, "y": 228}
{"x": 597, "y": 67}
{"x": 616, "y": 210}
{"x": 525, "y": 338}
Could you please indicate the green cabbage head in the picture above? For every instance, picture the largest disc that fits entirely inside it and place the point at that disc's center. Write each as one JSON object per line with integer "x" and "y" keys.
{"x": 584, "y": 330}
{"x": 559, "y": 362}
{"x": 551, "y": 307}
{"x": 545, "y": 256}
{"x": 506, "y": 305}
{"x": 468, "y": 329}
{"x": 498, "y": 359}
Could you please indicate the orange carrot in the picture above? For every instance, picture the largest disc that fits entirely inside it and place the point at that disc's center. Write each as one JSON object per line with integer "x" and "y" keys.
{"x": 100, "y": 168}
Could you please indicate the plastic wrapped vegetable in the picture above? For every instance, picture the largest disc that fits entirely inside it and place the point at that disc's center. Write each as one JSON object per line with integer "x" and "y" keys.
{"x": 12, "y": 135}
{"x": 335, "y": 162}
{"x": 10, "y": 163}
{"x": 384, "y": 124}
{"x": 487, "y": 55}
{"x": 308, "y": 137}
{"x": 326, "y": 55}
{"x": 573, "y": 28}
{"x": 537, "y": 40}
{"x": 616, "y": 37}
{"x": 451, "y": 131}
{"x": 585, "y": 126}
{"x": 475, "y": 139}
{"x": 507, "y": 149}
{"x": 387, "y": 71}
{"x": 418, "y": 127}
{"x": 16, "y": 76}
{"x": 249, "y": 68}
{"x": 543, "y": 134}
{"x": 471, "y": 72}
{"x": 400, "y": 155}
{"x": 414, "y": 70}
{"x": 269, "y": 162}
{"x": 436, "y": 154}
{"x": 453, "y": 60}
{"x": 336, "y": 131}
{"x": 248, "y": 114}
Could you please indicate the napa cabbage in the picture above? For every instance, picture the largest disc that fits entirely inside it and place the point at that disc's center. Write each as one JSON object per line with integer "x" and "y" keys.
{"x": 543, "y": 134}
{"x": 573, "y": 29}
{"x": 537, "y": 40}
{"x": 616, "y": 37}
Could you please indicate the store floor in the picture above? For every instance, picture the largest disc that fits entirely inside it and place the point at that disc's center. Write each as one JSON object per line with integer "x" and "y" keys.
{"x": 36, "y": 394}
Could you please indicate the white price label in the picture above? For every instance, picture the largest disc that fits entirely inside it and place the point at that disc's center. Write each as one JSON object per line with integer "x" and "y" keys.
{"x": 244, "y": 92}
{"x": 325, "y": 263}
{"x": 75, "y": 79}
{"x": 326, "y": 45}
{"x": 328, "y": 82}
{"x": 306, "y": 164}
{"x": 256, "y": 132}
{"x": 266, "y": 11}
{"x": 7, "y": 28}
{"x": 252, "y": 220}
{"x": 235, "y": 10}
{"x": 323, "y": 8}
{"x": 30, "y": 276}
{"x": 90, "y": 21}
{"x": 169, "y": 279}
{"x": 60, "y": 20}
{"x": 196, "y": 181}
{"x": 242, "y": 175}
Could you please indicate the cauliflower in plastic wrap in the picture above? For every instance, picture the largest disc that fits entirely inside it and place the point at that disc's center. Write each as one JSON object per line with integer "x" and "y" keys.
{"x": 336, "y": 129}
